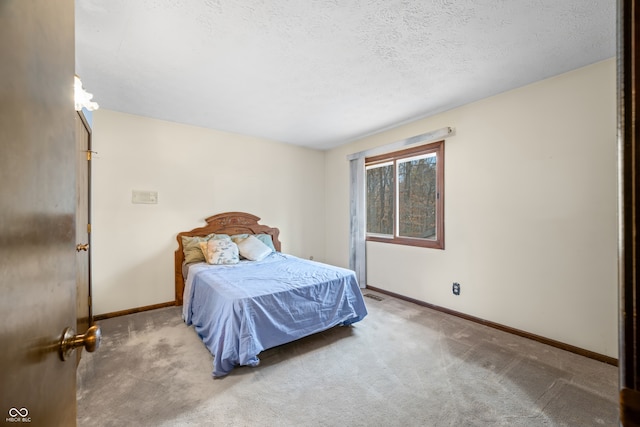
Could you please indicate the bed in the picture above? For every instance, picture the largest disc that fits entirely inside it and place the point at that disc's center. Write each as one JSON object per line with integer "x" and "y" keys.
{"x": 241, "y": 308}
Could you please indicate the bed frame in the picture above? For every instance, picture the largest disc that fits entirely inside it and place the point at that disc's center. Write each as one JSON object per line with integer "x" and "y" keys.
{"x": 225, "y": 223}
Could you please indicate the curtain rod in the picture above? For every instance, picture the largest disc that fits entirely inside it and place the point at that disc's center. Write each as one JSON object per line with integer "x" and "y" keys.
{"x": 425, "y": 137}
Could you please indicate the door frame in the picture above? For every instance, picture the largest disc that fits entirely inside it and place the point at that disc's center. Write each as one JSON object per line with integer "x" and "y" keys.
{"x": 628, "y": 209}
{"x": 90, "y": 153}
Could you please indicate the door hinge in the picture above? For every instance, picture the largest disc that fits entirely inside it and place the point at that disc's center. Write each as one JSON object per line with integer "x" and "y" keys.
{"x": 89, "y": 154}
{"x": 88, "y": 228}
{"x": 89, "y": 298}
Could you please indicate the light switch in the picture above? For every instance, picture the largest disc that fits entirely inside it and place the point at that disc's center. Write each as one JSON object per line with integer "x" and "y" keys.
{"x": 146, "y": 197}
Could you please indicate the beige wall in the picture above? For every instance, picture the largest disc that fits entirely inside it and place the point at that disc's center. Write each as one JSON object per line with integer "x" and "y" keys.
{"x": 530, "y": 211}
{"x": 197, "y": 173}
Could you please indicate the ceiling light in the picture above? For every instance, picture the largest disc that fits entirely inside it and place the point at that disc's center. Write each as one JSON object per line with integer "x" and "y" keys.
{"x": 82, "y": 97}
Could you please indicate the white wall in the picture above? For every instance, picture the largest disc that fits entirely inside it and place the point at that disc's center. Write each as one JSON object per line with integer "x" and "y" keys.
{"x": 197, "y": 173}
{"x": 530, "y": 211}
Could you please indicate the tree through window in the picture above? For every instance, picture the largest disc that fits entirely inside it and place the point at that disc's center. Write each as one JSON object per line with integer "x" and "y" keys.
{"x": 405, "y": 198}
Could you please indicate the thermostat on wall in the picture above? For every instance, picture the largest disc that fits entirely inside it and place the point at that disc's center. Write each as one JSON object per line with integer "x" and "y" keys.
{"x": 147, "y": 197}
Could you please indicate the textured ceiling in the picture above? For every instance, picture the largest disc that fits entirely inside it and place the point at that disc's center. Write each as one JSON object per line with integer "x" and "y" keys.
{"x": 320, "y": 73}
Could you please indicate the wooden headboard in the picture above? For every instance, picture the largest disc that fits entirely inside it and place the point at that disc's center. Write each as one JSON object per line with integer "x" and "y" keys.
{"x": 225, "y": 223}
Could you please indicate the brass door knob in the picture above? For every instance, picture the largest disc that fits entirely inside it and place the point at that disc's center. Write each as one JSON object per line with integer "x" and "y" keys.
{"x": 70, "y": 341}
{"x": 82, "y": 247}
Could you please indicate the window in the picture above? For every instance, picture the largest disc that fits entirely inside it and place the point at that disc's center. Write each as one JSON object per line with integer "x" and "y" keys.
{"x": 405, "y": 198}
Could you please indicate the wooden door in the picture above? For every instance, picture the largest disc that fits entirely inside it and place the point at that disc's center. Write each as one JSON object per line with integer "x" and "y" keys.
{"x": 83, "y": 234}
{"x": 37, "y": 211}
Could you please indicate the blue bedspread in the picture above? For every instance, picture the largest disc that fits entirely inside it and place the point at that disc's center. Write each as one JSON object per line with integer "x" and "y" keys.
{"x": 240, "y": 310}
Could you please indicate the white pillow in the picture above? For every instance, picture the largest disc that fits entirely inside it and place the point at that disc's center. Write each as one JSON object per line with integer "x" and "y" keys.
{"x": 220, "y": 251}
{"x": 253, "y": 249}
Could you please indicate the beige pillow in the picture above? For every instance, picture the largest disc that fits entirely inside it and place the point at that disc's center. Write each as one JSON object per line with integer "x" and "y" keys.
{"x": 253, "y": 249}
{"x": 191, "y": 249}
{"x": 220, "y": 251}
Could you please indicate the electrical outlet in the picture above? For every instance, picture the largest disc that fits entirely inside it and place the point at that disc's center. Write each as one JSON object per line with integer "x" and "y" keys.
{"x": 456, "y": 288}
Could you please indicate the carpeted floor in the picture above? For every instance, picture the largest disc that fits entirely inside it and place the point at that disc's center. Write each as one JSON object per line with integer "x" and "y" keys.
{"x": 403, "y": 365}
